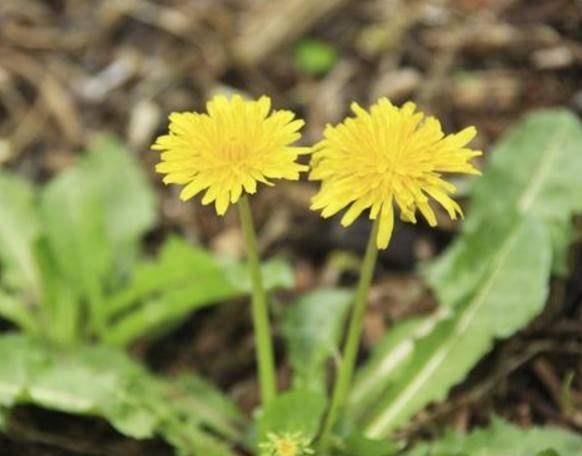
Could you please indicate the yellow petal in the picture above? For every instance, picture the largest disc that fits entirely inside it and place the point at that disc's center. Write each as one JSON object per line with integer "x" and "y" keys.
{"x": 191, "y": 189}
{"x": 386, "y": 225}
{"x": 354, "y": 211}
{"x": 221, "y": 203}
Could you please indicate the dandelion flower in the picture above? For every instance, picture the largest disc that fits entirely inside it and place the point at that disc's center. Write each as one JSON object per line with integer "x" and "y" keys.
{"x": 389, "y": 156}
{"x": 286, "y": 444}
{"x": 227, "y": 150}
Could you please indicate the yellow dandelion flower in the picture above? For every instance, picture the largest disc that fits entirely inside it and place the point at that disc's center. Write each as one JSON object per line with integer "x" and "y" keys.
{"x": 385, "y": 156}
{"x": 286, "y": 444}
{"x": 228, "y": 150}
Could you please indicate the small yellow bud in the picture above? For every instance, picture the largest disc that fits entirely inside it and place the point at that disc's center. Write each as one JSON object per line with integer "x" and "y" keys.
{"x": 286, "y": 444}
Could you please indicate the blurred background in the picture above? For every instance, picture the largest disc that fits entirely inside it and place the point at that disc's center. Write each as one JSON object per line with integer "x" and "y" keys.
{"x": 72, "y": 68}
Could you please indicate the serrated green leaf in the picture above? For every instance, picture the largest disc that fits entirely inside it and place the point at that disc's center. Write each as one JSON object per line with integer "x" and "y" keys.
{"x": 89, "y": 381}
{"x": 388, "y": 359}
{"x": 196, "y": 417}
{"x": 191, "y": 441}
{"x": 548, "y": 452}
{"x": 523, "y": 181}
{"x": 73, "y": 220}
{"x": 218, "y": 412}
{"x": 19, "y": 229}
{"x": 534, "y": 169}
{"x": 20, "y": 361}
{"x": 184, "y": 278}
{"x": 511, "y": 289}
{"x": 94, "y": 216}
{"x": 294, "y": 411}
{"x": 156, "y": 315}
{"x": 312, "y": 328}
{"x": 357, "y": 444}
{"x": 82, "y": 382}
{"x": 177, "y": 266}
{"x": 17, "y": 313}
{"x": 128, "y": 201}
{"x": 503, "y": 439}
{"x": 61, "y": 311}
{"x": 101, "y": 381}
{"x": 276, "y": 274}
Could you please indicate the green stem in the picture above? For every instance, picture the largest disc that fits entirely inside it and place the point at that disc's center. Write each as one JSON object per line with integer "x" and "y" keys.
{"x": 263, "y": 341}
{"x": 352, "y": 343}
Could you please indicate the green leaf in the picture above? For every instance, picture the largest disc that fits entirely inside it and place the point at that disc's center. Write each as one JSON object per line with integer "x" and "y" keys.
{"x": 191, "y": 441}
{"x": 487, "y": 283}
{"x": 128, "y": 201}
{"x": 534, "y": 169}
{"x": 94, "y": 215}
{"x": 184, "y": 278}
{"x": 294, "y": 411}
{"x": 202, "y": 408}
{"x": 312, "y": 329}
{"x": 214, "y": 409}
{"x": 92, "y": 218}
{"x": 503, "y": 439}
{"x": 74, "y": 224}
{"x": 16, "y": 312}
{"x": 101, "y": 381}
{"x": 19, "y": 229}
{"x": 276, "y": 274}
{"x": 90, "y": 381}
{"x": 548, "y": 452}
{"x": 21, "y": 359}
{"x": 177, "y": 266}
{"x": 509, "y": 290}
{"x": 62, "y": 312}
{"x": 314, "y": 56}
{"x": 388, "y": 359}
{"x": 87, "y": 389}
{"x": 357, "y": 444}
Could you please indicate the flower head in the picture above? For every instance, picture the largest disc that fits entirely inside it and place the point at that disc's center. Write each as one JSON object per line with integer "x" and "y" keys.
{"x": 286, "y": 444}
{"x": 385, "y": 156}
{"x": 229, "y": 149}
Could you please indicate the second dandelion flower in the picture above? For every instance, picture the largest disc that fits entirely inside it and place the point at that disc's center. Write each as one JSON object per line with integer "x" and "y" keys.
{"x": 386, "y": 156}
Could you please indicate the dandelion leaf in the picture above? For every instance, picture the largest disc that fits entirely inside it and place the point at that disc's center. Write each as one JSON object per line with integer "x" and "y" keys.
{"x": 19, "y": 229}
{"x": 493, "y": 280}
{"x": 312, "y": 329}
{"x": 103, "y": 382}
{"x": 501, "y": 438}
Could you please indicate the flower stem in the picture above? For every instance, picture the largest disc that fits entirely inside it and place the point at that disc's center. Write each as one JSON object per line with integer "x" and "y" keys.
{"x": 263, "y": 341}
{"x": 352, "y": 343}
